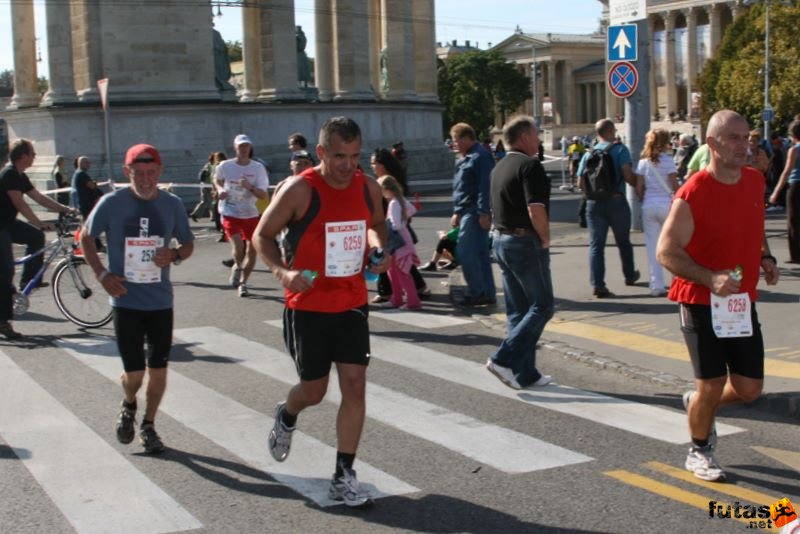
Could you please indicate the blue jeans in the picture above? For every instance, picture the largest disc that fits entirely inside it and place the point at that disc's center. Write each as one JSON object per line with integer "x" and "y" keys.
{"x": 473, "y": 252}
{"x": 529, "y": 302}
{"x": 600, "y": 215}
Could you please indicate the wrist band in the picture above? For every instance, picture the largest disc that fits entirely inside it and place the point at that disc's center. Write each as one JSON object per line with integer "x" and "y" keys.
{"x": 102, "y": 276}
{"x": 769, "y": 257}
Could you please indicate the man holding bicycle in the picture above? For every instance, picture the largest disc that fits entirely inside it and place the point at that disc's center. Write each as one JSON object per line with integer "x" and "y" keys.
{"x": 139, "y": 222}
{"x": 14, "y": 183}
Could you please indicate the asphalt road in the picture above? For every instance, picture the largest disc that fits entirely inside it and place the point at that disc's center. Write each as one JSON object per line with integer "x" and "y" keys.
{"x": 446, "y": 446}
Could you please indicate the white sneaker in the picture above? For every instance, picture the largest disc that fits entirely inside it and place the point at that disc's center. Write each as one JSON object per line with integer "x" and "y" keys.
{"x": 243, "y": 292}
{"x": 658, "y": 292}
{"x": 543, "y": 380}
{"x": 236, "y": 276}
{"x": 347, "y": 489}
{"x": 505, "y": 374}
{"x": 702, "y": 464}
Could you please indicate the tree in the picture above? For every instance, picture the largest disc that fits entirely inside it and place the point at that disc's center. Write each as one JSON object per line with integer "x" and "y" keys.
{"x": 234, "y": 50}
{"x": 7, "y": 83}
{"x": 475, "y": 85}
{"x": 734, "y": 79}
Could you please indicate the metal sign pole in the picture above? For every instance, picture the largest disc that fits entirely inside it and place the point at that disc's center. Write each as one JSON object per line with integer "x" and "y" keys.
{"x": 637, "y": 116}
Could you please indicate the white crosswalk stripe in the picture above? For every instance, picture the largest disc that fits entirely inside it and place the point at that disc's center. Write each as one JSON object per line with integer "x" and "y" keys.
{"x": 426, "y": 320}
{"x": 59, "y": 450}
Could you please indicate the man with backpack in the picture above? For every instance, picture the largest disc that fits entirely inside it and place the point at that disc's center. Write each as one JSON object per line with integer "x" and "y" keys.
{"x": 602, "y": 174}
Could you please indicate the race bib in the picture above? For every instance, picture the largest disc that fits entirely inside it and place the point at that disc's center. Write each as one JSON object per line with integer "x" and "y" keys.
{"x": 730, "y": 316}
{"x": 139, "y": 265}
{"x": 345, "y": 247}
{"x": 236, "y": 193}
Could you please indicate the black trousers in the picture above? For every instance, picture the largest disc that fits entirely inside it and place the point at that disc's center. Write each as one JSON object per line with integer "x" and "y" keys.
{"x": 21, "y": 233}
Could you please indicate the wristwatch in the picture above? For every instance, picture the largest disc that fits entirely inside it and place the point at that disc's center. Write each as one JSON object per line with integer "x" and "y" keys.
{"x": 177, "y": 260}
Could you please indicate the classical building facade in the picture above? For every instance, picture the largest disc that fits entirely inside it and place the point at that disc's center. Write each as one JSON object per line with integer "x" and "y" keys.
{"x": 375, "y": 60}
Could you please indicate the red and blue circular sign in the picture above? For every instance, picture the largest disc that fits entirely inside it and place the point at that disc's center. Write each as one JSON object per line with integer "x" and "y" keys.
{"x": 623, "y": 79}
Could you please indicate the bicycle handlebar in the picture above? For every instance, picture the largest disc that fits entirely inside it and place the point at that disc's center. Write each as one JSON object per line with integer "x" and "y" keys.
{"x": 67, "y": 224}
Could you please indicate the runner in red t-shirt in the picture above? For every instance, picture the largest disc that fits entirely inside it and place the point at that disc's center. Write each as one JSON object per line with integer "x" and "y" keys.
{"x": 333, "y": 213}
{"x": 714, "y": 243}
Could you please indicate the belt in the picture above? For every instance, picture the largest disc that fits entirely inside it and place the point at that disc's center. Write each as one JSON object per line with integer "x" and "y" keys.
{"x": 519, "y": 232}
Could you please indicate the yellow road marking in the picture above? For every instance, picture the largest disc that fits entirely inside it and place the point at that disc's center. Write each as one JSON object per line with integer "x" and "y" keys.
{"x": 651, "y": 345}
{"x": 790, "y": 458}
{"x": 665, "y": 490}
{"x": 751, "y": 496}
{"x": 776, "y": 349}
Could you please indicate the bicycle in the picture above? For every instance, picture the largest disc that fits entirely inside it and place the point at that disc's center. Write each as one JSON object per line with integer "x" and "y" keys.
{"x": 78, "y": 294}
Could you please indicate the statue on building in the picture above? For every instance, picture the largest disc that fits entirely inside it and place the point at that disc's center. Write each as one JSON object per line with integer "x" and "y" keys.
{"x": 384, "y": 71}
{"x": 303, "y": 64}
{"x": 222, "y": 64}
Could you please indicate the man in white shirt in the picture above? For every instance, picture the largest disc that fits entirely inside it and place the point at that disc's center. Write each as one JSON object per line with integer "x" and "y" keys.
{"x": 240, "y": 182}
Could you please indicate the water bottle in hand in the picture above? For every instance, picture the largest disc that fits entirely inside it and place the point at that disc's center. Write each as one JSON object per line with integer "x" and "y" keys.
{"x": 374, "y": 259}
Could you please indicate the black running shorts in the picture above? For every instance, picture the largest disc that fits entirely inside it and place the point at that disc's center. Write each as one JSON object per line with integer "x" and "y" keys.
{"x": 713, "y": 357}
{"x": 315, "y": 340}
{"x": 133, "y": 327}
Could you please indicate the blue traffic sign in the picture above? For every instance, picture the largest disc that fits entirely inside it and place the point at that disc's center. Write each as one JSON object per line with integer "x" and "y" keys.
{"x": 622, "y": 43}
{"x": 768, "y": 115}
{"x": 623, "y": 79}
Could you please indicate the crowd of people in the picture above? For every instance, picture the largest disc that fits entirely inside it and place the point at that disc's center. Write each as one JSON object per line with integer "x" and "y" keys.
{"x": 329, "y": 222}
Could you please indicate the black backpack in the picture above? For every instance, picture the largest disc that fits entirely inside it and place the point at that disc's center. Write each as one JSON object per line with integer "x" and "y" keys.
{"x": 599, "y": 175}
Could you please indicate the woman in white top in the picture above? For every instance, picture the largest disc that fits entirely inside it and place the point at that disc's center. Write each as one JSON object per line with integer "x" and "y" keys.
{"x": 656, "y": 181}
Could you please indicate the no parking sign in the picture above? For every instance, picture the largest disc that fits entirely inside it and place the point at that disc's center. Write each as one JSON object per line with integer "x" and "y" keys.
{"x": 623, "y": 79}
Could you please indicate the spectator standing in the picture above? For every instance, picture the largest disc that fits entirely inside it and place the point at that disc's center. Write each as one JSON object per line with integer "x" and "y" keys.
{"x": 471, "y": 213}
{"x": 85, "y": 192}
{"x": 714, "y": 243}
{"x": 139, "y": 222}
{"x": 686, "y": 149}
{"x": 521, "y": 202}
{"x": 59, "y": 177}
{"x": 613, "y": 212}
{"x": 575, "y": 152}
{"x": 399, "y": 212}
{"x": 791, "y": 175}
{"x": 204, "y": 179}
{"x": 216, "y": 206}
{"x": 656, "y": 182}
{"x": 240, "y": 182}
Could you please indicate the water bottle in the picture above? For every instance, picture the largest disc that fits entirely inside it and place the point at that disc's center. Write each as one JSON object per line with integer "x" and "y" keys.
{"x": 374, "y": 259}
{"x": 309, "y": 275}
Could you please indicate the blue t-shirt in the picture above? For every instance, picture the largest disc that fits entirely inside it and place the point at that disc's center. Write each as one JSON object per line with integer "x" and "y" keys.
{"x": 621, "y": 156}
{"x": 794, "y": 175}
{"x": 122, "y": 214}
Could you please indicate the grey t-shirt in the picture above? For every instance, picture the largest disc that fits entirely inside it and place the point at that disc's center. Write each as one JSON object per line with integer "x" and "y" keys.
{"x": 122, "y": 214}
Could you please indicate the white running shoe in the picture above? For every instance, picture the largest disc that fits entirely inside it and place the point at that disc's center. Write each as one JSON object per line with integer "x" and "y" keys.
{"x": 280, "y": 437}
{"x": 543, "y": 380}
{"x": 346, "y": 489}
{"x": 243, "y": 292}
{"x": 702, "y": 464}
{"x": 505, "y": 374}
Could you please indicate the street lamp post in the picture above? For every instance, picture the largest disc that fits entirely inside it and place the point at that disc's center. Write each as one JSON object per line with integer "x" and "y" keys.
{"x": 767, "y": 107}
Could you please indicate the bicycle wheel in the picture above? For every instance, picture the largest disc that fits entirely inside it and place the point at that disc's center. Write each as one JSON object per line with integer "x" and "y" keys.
{"x": 78, "y": 294}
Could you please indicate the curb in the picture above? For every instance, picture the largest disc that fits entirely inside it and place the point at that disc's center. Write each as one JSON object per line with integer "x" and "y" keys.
{"x": 780, "y": 404}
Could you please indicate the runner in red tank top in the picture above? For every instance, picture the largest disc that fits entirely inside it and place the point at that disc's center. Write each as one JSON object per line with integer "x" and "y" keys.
{"x": 333, "y": 213}
{"x": 713, "y": 242}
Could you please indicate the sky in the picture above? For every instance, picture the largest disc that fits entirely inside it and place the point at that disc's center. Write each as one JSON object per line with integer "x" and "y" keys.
{"x": 479, "y": 21}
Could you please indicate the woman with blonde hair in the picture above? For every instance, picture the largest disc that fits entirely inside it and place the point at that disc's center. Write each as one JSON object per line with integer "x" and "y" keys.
{"x": 656, "y": 182}
{"x": 404, "y": 257}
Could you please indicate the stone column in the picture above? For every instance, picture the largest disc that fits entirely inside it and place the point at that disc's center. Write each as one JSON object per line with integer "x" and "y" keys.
{"x": 652, "y": 78}
{"x": 23, "y": 32}
{"x": 376, "y": 39}
{"x": 399, "y": 43}
{"x": 715, "y": 27}
{"x": 669, "y": 36}
{"x": 425, "y": 50}
{"x": 691, "y": 65}
{"x": 570, "y": 90}
{"x": 251, "y": 52}
{"x": 551, "y": 92}
{"x": 600, "y": 94}
{"x": 86, "y": 49}
{"x": 351, "y": 50}
{"x": 324, "y": 61}
{"x": 278, "y": 52}
{"x": 59, "y": 55}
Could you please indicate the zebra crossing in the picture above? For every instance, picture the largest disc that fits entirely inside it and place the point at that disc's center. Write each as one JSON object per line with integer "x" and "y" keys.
{"x": 32, "y": 420}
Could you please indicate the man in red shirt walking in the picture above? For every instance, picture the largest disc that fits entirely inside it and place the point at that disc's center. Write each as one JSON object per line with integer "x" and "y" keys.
{"x": 332, "y": 213}
{"x": 714, "y": 243}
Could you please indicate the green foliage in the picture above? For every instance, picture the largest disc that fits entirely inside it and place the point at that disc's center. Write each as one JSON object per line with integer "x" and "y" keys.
{"x": 475, "y": 85}
{"x": 734, "y": 79}
{"x": 234, "y": 50}
{"x": 7, "y": 83}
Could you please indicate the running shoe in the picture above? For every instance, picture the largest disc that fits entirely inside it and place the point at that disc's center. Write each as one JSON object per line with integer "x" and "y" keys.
{"x": 149, "y": 439}
{"x": 430, "y": 266}
{"x": 702, "y": 464}
{"x": 543, "y": 381}
{"x": 236, "y": 276}
{"x": 8, "y": 332}
{"x": 346, "y": 489}
{"x": 280, "y": 437}
{"x": 712, "y": 435}
{"x": 126, "y": 424}
{"x": 504, "y": 374}
{"x": 243, "y": 292}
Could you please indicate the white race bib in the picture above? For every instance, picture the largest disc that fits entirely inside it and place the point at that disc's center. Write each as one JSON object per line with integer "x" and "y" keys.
{"x": 139, "y": 265}
{"x": 236, "y": 193}
{"x": 730, "y": 316}
{"x": 345, "y": 247}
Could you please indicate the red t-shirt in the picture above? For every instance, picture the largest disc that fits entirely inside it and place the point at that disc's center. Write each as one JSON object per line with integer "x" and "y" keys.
{"x": 728, "y": 231}
{"x": 308, "y": 247}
